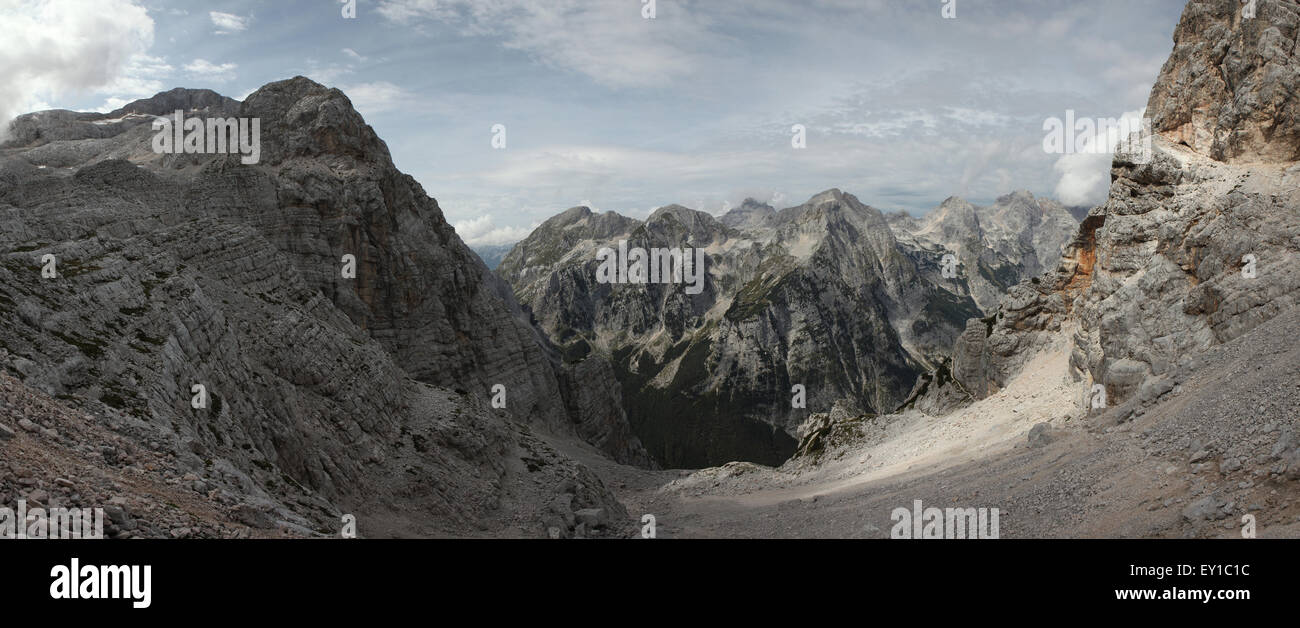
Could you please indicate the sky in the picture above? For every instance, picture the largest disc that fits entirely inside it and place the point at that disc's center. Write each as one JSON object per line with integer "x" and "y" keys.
{"x": 604, "y": 106}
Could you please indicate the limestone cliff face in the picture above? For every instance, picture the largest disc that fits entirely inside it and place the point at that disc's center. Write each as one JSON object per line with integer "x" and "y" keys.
{"x": 1193, "y": 247}
{"x": 184, "y": 269}
{"x": 1227, "y": 90}
{"x": 326, "y": 188}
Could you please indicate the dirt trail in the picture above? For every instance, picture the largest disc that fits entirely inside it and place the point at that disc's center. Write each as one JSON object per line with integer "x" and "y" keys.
{"x": 1148, "y": 477}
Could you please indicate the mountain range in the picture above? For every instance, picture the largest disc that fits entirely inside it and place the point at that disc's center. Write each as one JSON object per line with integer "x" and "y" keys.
{"x": 209, "y": 348}
{"x": 831, "y": 295}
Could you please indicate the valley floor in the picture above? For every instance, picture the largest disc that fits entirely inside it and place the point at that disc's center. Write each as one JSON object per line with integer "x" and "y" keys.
{"x": 1191, "y": 465}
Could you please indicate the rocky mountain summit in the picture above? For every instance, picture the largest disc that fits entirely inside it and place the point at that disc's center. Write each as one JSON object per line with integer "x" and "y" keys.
{"x": 1226, "y": 91}
{"x": 831, "y": 295}
{"x": 324, "y": 393}
{"x": 1194, "y": 247}
{"x": 997, "y": 246}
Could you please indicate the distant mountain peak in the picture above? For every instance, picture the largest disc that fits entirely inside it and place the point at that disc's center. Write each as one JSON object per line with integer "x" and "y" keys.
{"x": 693, "y": 219}
{"x": 831, "y": 195}
{"x": 180, "y": 98}
{"x": 569, "y": 216}
{"x": 751, "y": 214}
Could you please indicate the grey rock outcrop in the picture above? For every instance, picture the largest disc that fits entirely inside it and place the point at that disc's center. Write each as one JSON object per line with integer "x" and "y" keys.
{"x": 176, "y": 270}
{"x": 1195, "y": 246}
{"x": 1041, "y": 435}
{"x": 1227, "y": 90}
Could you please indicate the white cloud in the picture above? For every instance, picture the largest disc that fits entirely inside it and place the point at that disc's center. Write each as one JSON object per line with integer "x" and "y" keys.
{"x": 607, "y": 41}
{"x": 537, "y": 183}
{"x": 333, "y": 74}
{"x": 202, "y": 68}
{"x": 1085, "y": 175}
{"x": 55, "y": 48}
{"x": 112, "y": 104}
{"x": 483, "y": 231}
{"x": 328, "y": 75}
{"x": 140, "y": 79}
{"x": 227, "y": 23}
{"x": 378, "y": 97}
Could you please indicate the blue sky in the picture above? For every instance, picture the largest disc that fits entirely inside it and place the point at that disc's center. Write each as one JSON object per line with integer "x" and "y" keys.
{"x": 605, "y": 108}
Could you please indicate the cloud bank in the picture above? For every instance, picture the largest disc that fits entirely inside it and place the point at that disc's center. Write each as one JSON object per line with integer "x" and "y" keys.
{"x": 54, "y": 49}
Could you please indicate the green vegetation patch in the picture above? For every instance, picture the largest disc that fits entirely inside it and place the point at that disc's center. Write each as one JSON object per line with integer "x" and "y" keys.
{"x": 684, "y": 427}
{"x": 89, "y": 347}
